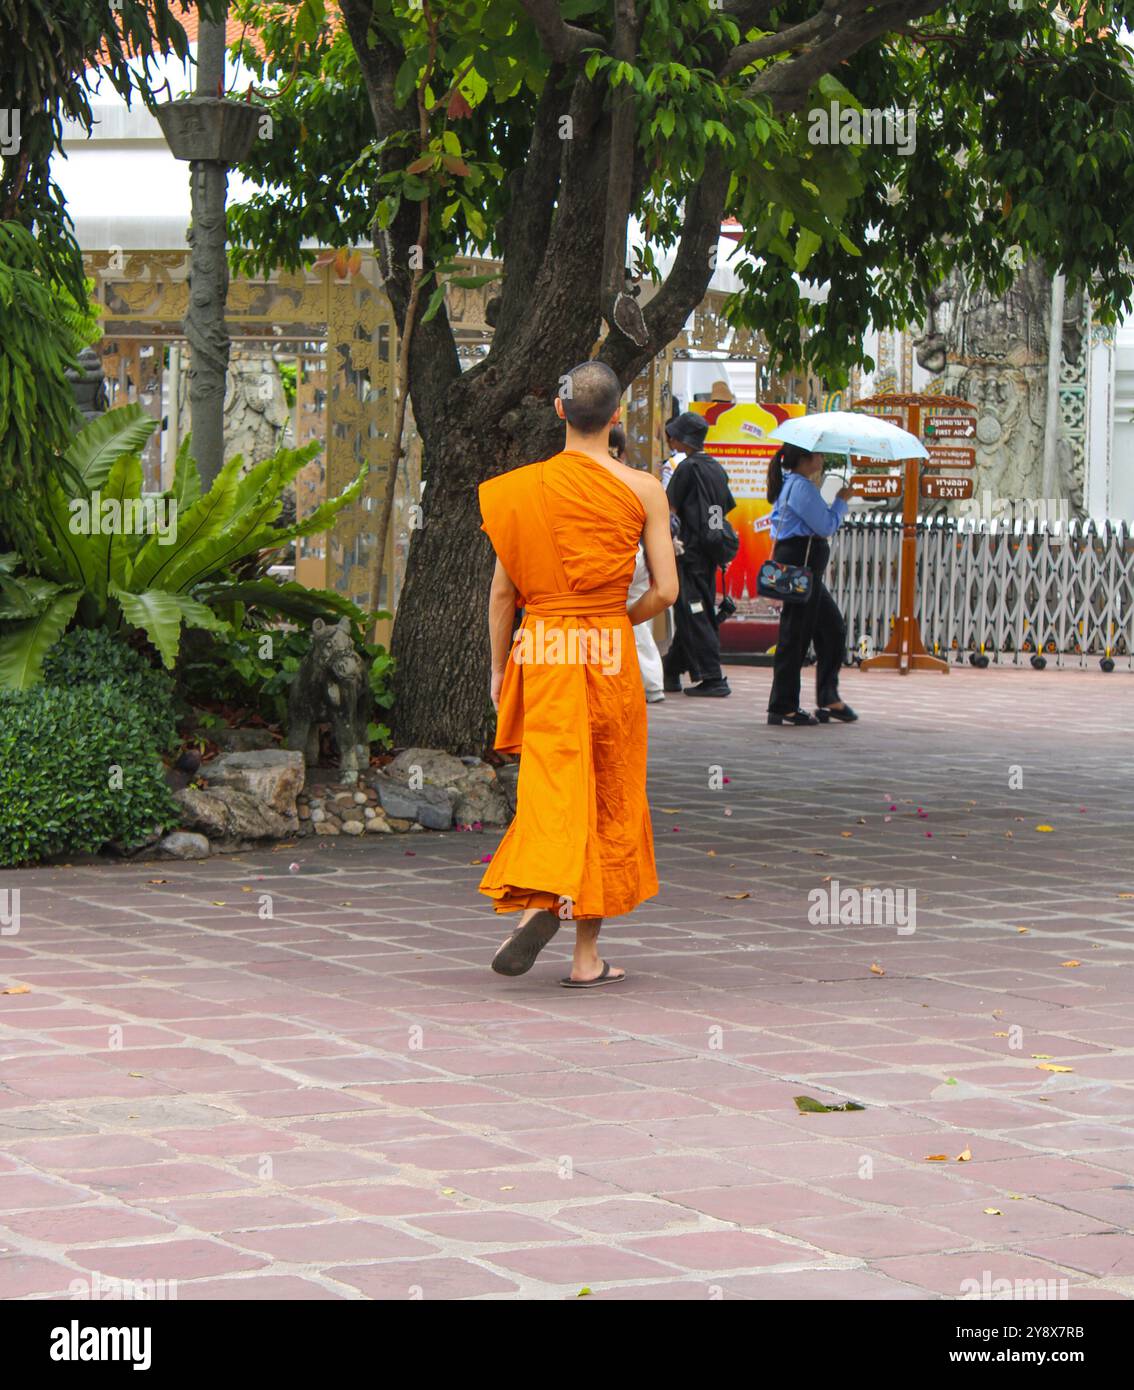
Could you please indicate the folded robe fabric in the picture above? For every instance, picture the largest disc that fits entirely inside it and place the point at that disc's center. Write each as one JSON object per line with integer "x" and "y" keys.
{"x": 566, "y": 531}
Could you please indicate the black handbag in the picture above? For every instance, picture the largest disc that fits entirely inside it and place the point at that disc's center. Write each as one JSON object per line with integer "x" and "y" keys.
{"x": 789, "y": 583}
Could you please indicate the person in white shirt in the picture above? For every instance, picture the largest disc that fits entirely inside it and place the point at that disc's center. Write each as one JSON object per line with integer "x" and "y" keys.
{"x": 649, "y": 658}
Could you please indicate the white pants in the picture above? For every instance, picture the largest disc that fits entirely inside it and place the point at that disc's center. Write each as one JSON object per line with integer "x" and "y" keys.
{"x": 649, "y": 658}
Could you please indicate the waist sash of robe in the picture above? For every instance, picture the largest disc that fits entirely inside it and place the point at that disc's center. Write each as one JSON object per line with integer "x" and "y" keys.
{"x": 578, "y": 603}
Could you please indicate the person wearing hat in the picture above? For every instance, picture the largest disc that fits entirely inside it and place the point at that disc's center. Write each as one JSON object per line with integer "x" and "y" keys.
{"x": 700, "y": 499}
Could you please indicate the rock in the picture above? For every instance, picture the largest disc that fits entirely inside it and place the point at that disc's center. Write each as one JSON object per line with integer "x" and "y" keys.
{"x": 185, "y": 844}
{"x": 436, "y": 769}
{"x": 482, "y": 801}
{"x": 227, "y": 813}
{"x": 360, "y": 798}
{"x": 328, "y": 828}
{"x": 272, "y": 775}
{"x": 430, "y": 805}
{"x": 379, "y": 826}
{"x": 305, "y": 813}
{"x": 244, "y": 740}
{"x": 318, "y": 814}
{"x": 352, "y": 827}
{"x": 396, "y": 823}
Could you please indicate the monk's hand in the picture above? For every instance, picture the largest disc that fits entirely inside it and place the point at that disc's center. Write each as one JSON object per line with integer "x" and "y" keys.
{"x": 497, "y": 683}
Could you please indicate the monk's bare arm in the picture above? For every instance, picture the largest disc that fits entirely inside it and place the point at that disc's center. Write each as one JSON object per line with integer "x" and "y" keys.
{"x": 659, "y": 555}
{"x": 501, "y": 622}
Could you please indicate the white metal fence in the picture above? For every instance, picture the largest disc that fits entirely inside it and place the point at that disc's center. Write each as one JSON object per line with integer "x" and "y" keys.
{"x": 1066, "y": 591}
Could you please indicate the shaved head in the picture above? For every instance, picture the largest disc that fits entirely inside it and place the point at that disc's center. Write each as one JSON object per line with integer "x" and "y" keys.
{"x": 590, "y": 393}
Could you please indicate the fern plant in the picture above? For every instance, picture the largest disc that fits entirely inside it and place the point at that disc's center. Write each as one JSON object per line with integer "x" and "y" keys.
{"x": 121, "y": 578}
{"x": 44, "y": 329}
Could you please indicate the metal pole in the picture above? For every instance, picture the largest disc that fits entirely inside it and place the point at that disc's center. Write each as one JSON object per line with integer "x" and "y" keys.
{"x": 205, "y": 325}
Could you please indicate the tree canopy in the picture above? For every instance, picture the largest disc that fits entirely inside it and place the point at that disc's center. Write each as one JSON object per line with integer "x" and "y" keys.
{"x": 1024, "y": 124}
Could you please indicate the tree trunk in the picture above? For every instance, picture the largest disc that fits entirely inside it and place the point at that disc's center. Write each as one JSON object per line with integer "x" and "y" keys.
{"x": 440, "y": 639}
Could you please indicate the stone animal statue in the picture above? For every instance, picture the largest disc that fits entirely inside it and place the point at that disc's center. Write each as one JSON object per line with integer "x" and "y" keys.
{"x": 330, "y": 687}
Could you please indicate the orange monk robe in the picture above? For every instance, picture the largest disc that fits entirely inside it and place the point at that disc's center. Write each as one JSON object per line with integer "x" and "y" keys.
{"x": 566, "y": 531}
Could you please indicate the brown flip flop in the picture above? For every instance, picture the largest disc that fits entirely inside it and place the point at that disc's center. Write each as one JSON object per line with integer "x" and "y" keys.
{"x": 606, "y": 978}
{"x": 518, "y": 954}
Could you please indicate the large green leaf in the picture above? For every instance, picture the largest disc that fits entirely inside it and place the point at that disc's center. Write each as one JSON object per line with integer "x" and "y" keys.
{"x": 109, "y": 546}
{"x": 203, "y": 520}
{"x": 160, "y": 614}
{"x": 254, "y": 532}
{"x": 294, "y": 600}
{"x": 186, "y": 487}
{"x": 124, "y": 430}
{"x": 24, "y": 596}
{"x": 23, "y": 647}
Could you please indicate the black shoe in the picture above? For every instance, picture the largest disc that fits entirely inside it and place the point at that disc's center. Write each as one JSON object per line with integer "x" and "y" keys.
{"x": 799, "y": 718}
{"x": 846, "y": 715}
{"x": 671, "y": 685}
{"x": 718, "y": 688}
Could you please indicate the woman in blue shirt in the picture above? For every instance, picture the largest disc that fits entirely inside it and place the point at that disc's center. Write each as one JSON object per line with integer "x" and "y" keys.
{"x": 801, "y": 524}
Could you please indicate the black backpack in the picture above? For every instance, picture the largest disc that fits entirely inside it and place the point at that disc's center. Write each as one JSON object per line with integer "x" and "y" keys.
{"x": 714, "y": 537}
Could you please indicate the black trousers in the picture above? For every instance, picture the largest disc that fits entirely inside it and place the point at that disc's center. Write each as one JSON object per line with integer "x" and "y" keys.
{"x": 818, "y": 620}
{"x": 696, "y": 645}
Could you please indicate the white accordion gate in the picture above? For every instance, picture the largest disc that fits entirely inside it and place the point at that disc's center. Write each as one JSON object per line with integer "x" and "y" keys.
{"x": 1066, "y": 591}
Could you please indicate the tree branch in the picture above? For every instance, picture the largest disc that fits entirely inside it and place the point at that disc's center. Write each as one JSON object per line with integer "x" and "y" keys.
{"x": 561, "y": 41}
{"x": 688, "y": 279}
{"x": 527, "y": 224}
{"x": 788, "y": 85}
{"x": 620, "y": 174}
{"x": 829, "y": 17}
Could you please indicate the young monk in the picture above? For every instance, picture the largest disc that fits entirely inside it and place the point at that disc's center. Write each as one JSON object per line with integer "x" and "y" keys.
{"x": 567, "y": 690}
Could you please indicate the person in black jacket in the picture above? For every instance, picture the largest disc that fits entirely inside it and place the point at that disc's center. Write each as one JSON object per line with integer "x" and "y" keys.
{"x": 700, "y": 498}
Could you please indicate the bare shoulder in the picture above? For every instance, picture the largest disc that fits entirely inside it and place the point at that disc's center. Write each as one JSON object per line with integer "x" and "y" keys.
{"x": 647, "y": 487}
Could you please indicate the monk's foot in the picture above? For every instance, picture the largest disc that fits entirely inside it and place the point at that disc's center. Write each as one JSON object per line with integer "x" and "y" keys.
{"x": 589, "y": 974}
{"x": 518, "y": 953}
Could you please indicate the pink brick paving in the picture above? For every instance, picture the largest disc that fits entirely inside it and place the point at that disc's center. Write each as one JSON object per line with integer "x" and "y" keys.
{"x": 343, "y": 1102}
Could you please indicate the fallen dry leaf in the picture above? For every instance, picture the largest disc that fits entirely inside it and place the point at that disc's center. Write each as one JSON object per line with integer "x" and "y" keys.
{"x": 965, "y": 1156}
{"x": 1000, "y": 1035}
{"x": 1041, "y": 1056}
{"x": 738, "y": 896}
{"x": 165, "y": 880}
{"x": 1021, "y": 931}
{"x": 1051, "y": 1066}
{"x": 1070, "y": 964}
{"x": 16, "y": 989}
{"x": 1045, "y": 829}
{"x": 847, "y": 834}
{"x": 993, "y": 1211}
{"x": 670, "y": 810}
{"x": 876, "y": 969}
{"x": 937, "y": 1158}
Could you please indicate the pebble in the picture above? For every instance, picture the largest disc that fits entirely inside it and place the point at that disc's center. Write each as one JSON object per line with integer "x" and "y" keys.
{"x": 352, "y": 827}
{"x": 360, "y": 798}
{"x": 329, "y": 828}
{"x": 318, "y": 814}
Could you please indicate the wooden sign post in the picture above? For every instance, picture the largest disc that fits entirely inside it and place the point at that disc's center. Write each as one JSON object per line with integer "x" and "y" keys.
{"x": 905, "y": 651}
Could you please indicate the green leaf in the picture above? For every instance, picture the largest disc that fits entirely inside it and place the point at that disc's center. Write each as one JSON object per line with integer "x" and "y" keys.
{"x": 158, "y": 614}
{"x": 23, "y": 647}
{"x": 124, "y": 430}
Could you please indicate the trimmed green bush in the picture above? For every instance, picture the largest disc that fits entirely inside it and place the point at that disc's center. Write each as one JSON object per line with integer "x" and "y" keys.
{"x": 79, "y": 766}
{"x": 87, "y": 656}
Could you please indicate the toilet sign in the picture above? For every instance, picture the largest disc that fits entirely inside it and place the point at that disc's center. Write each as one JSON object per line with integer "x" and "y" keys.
{"x": 877, "y": 485}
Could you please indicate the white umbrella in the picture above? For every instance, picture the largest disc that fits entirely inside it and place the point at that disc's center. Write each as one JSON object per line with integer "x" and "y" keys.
{"x": 847, "y": 432}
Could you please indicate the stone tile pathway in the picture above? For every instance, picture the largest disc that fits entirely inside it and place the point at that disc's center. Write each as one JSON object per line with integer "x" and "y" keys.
{"x": 270, "y": 1084}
